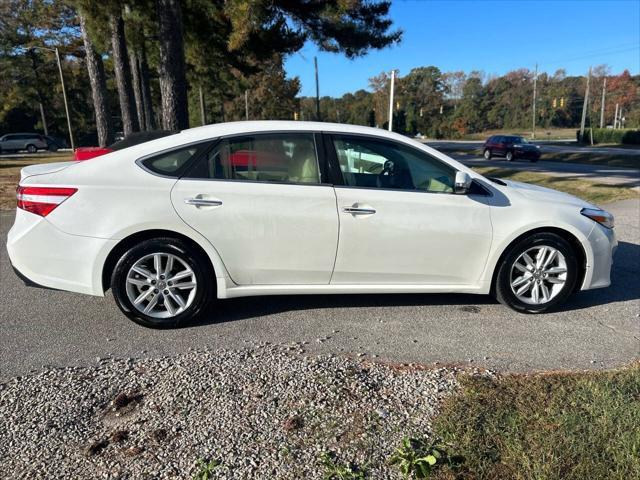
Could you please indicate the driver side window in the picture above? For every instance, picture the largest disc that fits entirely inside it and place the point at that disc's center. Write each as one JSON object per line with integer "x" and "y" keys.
{"x": 382, "y": 164}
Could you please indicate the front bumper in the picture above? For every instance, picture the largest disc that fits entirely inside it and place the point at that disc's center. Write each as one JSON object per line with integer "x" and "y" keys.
{"x": 527, "y": 154}
{"x": 48, "y": 257}
{"x": 603, "y": 244}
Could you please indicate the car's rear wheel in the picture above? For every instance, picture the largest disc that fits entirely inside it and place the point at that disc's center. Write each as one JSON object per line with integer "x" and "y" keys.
{"x": 31, "y": 149}
{"x": 537, "y": 274}
{"x": 487, "y": 154}
{"x": 53, "y": 148}
{"x": 509, "y": 156}
{"x": 162, "y": 283}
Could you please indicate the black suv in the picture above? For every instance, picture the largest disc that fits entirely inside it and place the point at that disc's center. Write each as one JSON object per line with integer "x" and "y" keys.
{"x": 510, "y": 147}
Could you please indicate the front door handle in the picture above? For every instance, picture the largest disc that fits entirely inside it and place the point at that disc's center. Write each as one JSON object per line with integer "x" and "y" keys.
{"x": 202, "y": 202}
{"x": 358, "y": 210}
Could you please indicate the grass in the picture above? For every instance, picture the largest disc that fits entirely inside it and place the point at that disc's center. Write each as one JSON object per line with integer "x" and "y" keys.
{"x": 627, "y": 160}
{"x": 593, "y": 192}
{"x": 545, "y": 426}
{"x": 10, "y": 174}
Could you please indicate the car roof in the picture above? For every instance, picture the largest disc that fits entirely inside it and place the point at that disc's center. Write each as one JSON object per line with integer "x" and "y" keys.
{"x": 232, "y": 128}
{"x": 208, "y": 132}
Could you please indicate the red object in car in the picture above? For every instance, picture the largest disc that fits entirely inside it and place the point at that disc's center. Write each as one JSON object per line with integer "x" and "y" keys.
{"x": 85, "y": 153}
{"x": 251, "y": 159}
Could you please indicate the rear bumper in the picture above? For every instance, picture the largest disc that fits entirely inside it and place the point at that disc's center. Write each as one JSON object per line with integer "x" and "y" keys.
{"x": 44, "y": 256}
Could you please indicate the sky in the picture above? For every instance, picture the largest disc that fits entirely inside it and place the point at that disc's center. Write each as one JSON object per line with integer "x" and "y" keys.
{"x": 494, "y": 36}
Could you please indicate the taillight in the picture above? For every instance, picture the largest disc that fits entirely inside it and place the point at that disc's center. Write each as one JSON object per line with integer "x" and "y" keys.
{"x": 42, "y": 200}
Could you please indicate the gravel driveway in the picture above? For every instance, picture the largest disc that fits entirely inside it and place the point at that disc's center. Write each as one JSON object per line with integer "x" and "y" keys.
{"x": 261, "y": 413}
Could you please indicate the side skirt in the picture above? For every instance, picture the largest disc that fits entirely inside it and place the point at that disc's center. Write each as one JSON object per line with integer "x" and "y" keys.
{"x": 258, "y": 290}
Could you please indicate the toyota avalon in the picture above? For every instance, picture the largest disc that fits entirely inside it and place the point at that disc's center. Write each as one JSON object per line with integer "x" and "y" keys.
{"x": 272, "y": 208}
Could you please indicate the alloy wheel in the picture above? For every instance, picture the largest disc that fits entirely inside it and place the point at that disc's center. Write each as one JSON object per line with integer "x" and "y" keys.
{"x": 161, "y": 285}
{"x": 538, "y": 275}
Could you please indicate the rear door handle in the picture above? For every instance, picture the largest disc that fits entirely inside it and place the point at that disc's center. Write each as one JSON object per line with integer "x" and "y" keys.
{"x": 358, "y": 210}
{"x": 202, "y": 202}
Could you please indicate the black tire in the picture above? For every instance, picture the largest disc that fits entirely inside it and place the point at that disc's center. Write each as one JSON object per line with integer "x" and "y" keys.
{"x": 509, "y": 156}
{"x": 31, "y": 148}
{"x": 502, "y": 288}
{"x": 204, "y": 276}
{"x": 53, "y": 148}
{"x": 487, "y": 154}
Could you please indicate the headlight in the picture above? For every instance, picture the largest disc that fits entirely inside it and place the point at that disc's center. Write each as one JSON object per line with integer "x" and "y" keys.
{"x": 603, "y": 218}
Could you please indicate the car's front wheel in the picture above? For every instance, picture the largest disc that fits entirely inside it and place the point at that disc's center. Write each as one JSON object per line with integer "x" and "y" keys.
{"x": 31, "y": 149}
{"x": 487, "y": 154}
{"x": 537, "y": 274}
{"x": 509, "y": 156}
{"x": 162, "y": 282}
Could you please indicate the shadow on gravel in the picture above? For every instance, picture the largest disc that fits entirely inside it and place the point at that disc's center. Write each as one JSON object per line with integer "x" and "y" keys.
{"x": 625, "y": 286}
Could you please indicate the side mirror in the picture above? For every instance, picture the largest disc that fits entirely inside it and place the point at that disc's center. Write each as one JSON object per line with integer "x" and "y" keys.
{"x": 462, "y": 183}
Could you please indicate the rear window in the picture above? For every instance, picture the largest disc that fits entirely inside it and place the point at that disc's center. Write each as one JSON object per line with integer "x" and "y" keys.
{"x": 173, "y": 162}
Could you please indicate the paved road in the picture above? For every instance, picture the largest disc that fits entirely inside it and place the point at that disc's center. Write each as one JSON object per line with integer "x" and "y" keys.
{"x": 628, "y": 177}
{"x": 596, "y": 329}
{"x": 563, "y": 146}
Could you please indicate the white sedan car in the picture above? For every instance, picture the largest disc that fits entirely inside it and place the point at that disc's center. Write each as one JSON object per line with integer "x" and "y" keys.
{"x": 272, "y": 208}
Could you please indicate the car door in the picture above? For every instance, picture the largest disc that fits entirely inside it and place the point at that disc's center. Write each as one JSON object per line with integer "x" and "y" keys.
{"x": 498, "y": 147}
{"x": 400, "y": 222}
{"x": 10, "y": 142}
{"x": 260, "y": 201}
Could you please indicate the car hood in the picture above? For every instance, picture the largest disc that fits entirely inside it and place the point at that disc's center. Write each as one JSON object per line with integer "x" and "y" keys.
{"x": 543, "y": 194}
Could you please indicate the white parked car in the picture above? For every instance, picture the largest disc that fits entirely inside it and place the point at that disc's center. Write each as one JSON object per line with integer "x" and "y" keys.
{"x": 266, "y": 208}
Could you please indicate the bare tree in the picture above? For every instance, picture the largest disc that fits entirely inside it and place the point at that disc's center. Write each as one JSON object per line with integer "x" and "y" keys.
{"x": 134, "y": 61}
{"x": 123, "y": 74}
{"x": 98, "y": 82}
{"x": 173, "y": 81}
{"x": 149, "y": 117}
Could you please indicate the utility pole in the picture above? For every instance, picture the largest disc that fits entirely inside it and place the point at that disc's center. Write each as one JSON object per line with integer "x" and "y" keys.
{"x": 64, "y": 96}
{"x": 203, "y": 118}
{"x": 615, "y": 117}
{"x": 246, "y": 104}
{"x": 535, "y": 91}
{"x": 315, "y": 63}
{"x": 584, "y": 107}
{"x": 393, "y": 78}
{"x": 604, "y": 90}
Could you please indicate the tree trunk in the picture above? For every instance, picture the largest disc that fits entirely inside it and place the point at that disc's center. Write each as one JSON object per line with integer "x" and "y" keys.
{"x": 98, "y": 81}
{"x": 41, "y": 98}
{"x": 173, "y": 81}
{"x": 149, "y": 116}
{"x": 123, "y": 75}
{"x": 44, "y": 119}
{"x": 137, "y": 87}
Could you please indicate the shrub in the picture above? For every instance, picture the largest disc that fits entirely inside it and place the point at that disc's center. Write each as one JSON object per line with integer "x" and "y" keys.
{"x": 609, "y": 135}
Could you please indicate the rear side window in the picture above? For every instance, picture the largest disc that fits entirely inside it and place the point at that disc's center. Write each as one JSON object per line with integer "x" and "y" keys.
{"x": 171, "y": 163}
{"x": 281, "y": 158}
